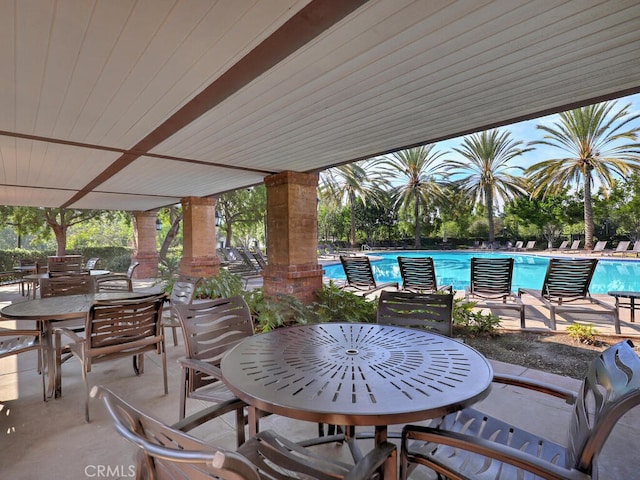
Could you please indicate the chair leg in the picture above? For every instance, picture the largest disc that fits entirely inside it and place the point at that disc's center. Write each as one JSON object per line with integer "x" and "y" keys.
{"x": 184, "y": 392}
{"x": 175, "y": 336}
{"x": 164, "y": 369}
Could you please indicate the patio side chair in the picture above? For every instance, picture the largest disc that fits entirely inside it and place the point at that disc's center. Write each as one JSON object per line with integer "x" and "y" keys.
{"x": 64, "y": 265}
{"x": 360, "y": 277}
{"x": 75, "y": 284}
{"x": 116, "y": 329}
{"x": 471, "y": 444}
{"x": 117, "y": 282}
{"x": 15, "y": 342}
{"x": 419, "y": 275}
{"x": 567, "y": 280}
{"x": 91, "y": 263}
{"x": 167, "y": 452}
{"x": 210, "y": 328}
{"x": 490, "y": 282}
{"x": 431, "y": 311}
{"x": 183, "y": 291}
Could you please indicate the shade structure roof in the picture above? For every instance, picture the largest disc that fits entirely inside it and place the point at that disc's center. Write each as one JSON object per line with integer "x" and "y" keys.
{"x": 133, "y": 105}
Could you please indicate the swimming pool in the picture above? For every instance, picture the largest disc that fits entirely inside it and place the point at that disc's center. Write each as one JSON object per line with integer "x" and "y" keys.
{"x": 453, "y": 268}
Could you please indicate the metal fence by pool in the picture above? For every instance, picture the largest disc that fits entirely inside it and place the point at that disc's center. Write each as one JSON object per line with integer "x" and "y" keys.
{"x": 453, "y": 268}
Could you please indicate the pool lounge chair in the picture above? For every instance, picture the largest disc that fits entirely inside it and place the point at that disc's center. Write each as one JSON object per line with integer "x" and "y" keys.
{"x": 622, "y": 247}
{"x": 360, "y": 275}
{"x": 600, "y": 247}
{"x": 491, "y": 280}
{"x": 562, "y": 246}
{"x": 568, "y": 280}
{"x": 419, "y": 275}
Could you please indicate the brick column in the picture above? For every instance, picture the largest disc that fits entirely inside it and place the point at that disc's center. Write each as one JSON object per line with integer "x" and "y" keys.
{"x": 199, "y": 237}
{"x": 144, "y": 239}
{"x": 292, "y": 239}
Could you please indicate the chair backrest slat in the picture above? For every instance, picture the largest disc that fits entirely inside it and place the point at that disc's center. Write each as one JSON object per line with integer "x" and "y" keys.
{"x": 75, "y": 284}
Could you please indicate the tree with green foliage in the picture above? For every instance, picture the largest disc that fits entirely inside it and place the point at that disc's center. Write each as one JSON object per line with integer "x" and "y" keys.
{"x": 601, "y": 145}
{"x": 347, "y": 183}
{"x": 243, "y": 210}
{"x": 23, "y": 221}
{"x": 486, "y": 171}
{"x": 621, "y": 208}
{"x": 418, "y": 181}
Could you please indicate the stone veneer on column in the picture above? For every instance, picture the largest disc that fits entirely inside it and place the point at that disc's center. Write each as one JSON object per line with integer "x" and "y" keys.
{"x": 292, "y": 241}
{"x": 145, "y": 251}
{"x": 199, "y": 237}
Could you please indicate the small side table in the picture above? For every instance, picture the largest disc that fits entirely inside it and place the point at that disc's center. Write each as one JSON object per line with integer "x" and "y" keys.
{"x": 630, "y": 304}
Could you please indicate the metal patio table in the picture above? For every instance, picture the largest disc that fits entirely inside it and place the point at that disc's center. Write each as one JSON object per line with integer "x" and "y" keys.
{"x": 47, "y": 311}
{"x": 355, "y": 374}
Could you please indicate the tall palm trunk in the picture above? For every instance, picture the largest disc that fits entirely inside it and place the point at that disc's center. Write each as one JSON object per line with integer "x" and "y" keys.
{"x": 588, "y": 211}
{"x": 352, "y": 207}
{"x": 489, "y": 197}
{"x": 416, "y": 215}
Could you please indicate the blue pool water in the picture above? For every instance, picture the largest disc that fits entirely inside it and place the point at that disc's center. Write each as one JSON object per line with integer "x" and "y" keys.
{"x": 453, "y": 268}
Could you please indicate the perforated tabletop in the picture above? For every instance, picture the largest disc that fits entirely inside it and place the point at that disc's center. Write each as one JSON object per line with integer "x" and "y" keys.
{"x": 356, "y": 374}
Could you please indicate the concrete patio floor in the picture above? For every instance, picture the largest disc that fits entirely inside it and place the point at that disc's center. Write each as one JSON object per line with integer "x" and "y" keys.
{"x": 52, "y": 440}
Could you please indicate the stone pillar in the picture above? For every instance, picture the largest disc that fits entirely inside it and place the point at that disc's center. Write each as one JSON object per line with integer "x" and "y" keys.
{"x": 292, "y": 236}
{"x": 199, "y": 237}
{"x": 145, "y": 250}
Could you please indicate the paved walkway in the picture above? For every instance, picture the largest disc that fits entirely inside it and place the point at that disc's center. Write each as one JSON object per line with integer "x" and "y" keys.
{"x": 52, "y": 440}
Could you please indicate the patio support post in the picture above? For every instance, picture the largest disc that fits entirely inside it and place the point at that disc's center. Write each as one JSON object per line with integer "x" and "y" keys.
{"x": 199, "y": 257}
{"x": 292, "y": 237}
{"x": 144, "y": 239}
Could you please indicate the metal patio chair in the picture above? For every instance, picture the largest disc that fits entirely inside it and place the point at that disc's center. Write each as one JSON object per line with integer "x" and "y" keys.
{"x": 72, "y": 284}
{"x": 490, "y": 283}
{"x": 360, "y": 277}
{"x": 567, "y": 280}
{"x": 419, "y": 275}
{"x": 431, "y": 311}
{"x": 210, "y": 328}
{"x": 182, "y": 292}
{"x": 116, "y": 329}
{"x": 117, "y": 282}
{"x": 15, "y": 342}
{"x": 167, "y": 452}
{"x": 472, "y": 445}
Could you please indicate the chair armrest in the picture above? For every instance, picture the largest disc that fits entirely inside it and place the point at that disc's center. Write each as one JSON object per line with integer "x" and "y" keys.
{"x": 568, "y": 396}
{"x": 70, "y": 333}
{"x": 372, "y": 461}
{"x": 490, "y": 449}
{"x": 201, "y": 366}
{"x": 203, "y": 416}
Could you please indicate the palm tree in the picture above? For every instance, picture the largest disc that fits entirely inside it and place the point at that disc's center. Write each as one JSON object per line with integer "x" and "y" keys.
{"x": 419, "y": 176}
{"x": 601, "y": 146}
{"x": 486, "y": 173}
{"x": 348, "y": 183}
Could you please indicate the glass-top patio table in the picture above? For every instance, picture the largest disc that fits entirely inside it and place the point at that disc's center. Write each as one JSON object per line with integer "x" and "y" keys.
{"x": 355, "y": 374}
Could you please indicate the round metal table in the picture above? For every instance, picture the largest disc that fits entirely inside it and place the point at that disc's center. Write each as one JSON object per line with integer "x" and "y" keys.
{"x": 55, "y": 309}
{"x": 355, "y": 374}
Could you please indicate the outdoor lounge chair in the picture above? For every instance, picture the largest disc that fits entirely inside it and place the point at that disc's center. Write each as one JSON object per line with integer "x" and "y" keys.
{"x": 360, "y": 275}
{"x": 491, "y": 279}
{"x": 622, "y": 248}
{"x": 600, "y": 247}
{"x": 470, "y": 444}
{"x": 562, "y": 246}
{"x": 568, "y": 280}
{"x": 419, "y": 275}
{"x": 431, "y": 311}
{"x": 167, "y": 452}
{"x": 575, "y": 246}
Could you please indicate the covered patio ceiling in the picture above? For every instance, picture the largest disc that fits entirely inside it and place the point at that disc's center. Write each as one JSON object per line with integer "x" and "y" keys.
{"x": 133, "y": 105}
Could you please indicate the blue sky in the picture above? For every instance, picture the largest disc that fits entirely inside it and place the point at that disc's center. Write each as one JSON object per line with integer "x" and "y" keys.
{"x": 526, "y": 132}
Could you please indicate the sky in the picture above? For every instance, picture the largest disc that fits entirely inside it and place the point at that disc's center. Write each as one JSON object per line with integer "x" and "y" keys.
{"x": 526, "y": 132}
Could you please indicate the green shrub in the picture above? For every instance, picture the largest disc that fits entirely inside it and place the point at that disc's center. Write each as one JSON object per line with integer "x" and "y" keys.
{"x": 473, "y": 322}
{"x": 269, "y": 313}
{"x": 336, "y": 305}
{"x": 582, "y": 333}
{"x": 225, "y": 284}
